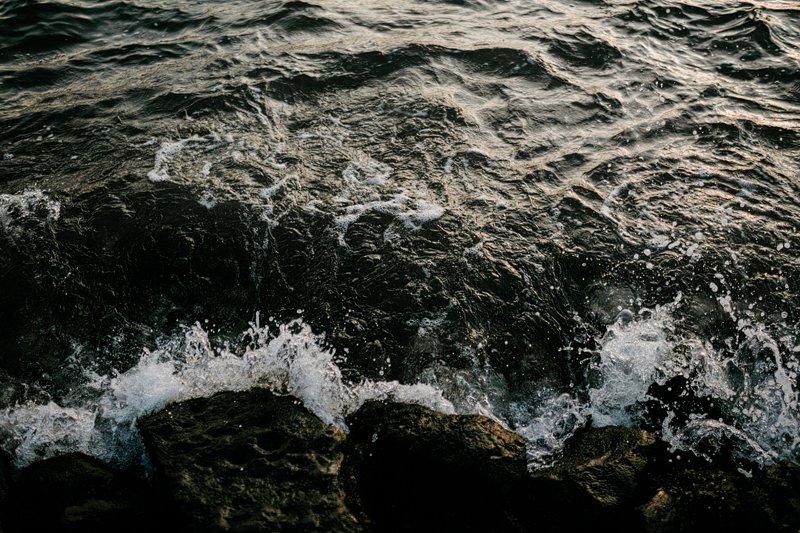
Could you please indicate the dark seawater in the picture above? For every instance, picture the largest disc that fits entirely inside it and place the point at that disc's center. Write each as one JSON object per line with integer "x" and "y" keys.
{"x": 554, "y": 213}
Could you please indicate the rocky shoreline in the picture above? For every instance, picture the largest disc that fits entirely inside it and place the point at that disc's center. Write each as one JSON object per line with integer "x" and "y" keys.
{"x": 255, "y": 461}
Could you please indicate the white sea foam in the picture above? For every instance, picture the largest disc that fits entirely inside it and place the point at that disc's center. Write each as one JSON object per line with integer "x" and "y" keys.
{"x": 287, "y": 359}
{"x": 368, "y": 187}
{"x": 207, "y": 200}
{"x": 169, "y": 151}
{"x": 281, "y": 185}
{"x": 29, "y": 205}
{"x": 165, "y": 153}
{"x": 211, "y": 166}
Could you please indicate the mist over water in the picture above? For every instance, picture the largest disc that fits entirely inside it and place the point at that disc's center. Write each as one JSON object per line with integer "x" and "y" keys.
{"x": 551, "y": 213}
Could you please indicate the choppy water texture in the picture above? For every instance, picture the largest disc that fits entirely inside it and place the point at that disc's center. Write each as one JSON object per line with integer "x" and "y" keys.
{"x": 554, "y": 213}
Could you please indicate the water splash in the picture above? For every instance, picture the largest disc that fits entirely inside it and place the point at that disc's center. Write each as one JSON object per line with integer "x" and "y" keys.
{"x": 754, "y": 413}
{"x": 761, "y": 419}
{"x": 551, "y": 425}
{"x": 288, "y": 359}
{"x": 634, "y": 354}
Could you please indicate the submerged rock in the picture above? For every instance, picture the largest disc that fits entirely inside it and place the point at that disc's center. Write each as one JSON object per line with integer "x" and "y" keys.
{"x": 78, "y": 493}
{"x": 696, "y": 499}
{"x": 249, "y": 461}
{"x": 412, "y": 469}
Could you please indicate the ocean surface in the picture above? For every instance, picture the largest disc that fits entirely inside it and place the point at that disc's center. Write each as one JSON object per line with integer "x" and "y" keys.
{"x": 553, "y": 213}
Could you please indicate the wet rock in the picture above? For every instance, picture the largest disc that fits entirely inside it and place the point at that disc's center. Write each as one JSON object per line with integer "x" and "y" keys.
{"x": 603, "y": 475}
{"x": 702, "y": 497}
{"x": 695, "y": 499}
{"x": 254, "y": 461}
{"x": 78, "y": 493}
{"x": 775, "y": 494}
{"x": 412, "y": 469}
{"x": 625, "y": 479}
{"x": 249, "y": 461}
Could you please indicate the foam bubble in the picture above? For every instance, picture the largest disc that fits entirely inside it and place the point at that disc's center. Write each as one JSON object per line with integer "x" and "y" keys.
{"x": 367, "y": 187}
{"x": 420, "y": 212}
{"x": 165, "y": 153}
{"x": 29, "y": 205}
{"x": 207, "y": 200}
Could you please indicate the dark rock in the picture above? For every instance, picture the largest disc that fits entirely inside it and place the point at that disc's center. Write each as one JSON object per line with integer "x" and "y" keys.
{"x": 603, "y": 475}
{"x": 5, "y": 482}
{"x": 702, "y": 498}
{"x": 78, "y": 493}
{"x": 249, "y": 461}
{"x": 5, "y": 476}
{"x": 775, "y": 494}
{"x": 412, "y": 469}
{"x": 254, "y": 461}
{"x": 696, "y": 499}
{"x": 626, "y": 480}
